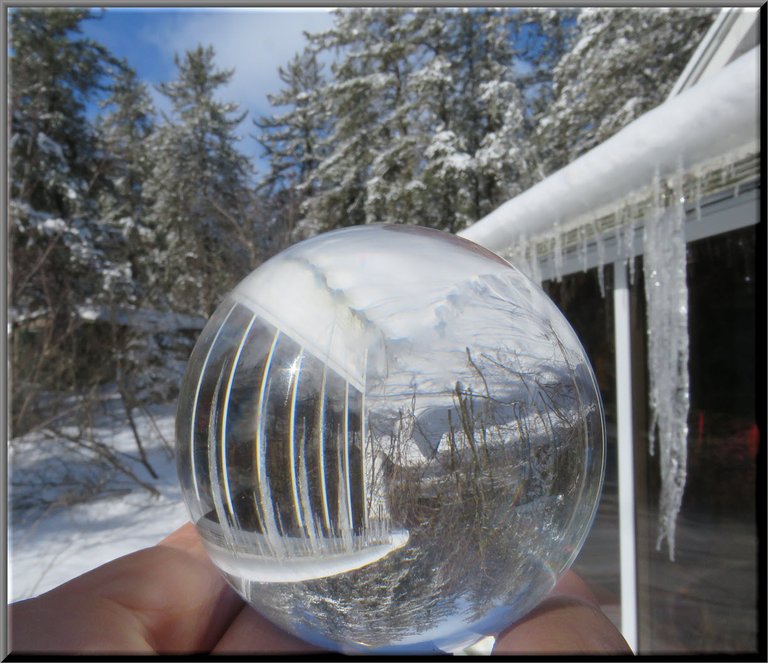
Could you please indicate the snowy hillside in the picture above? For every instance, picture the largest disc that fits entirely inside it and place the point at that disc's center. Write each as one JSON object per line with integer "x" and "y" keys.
{"x": 48, "y": 545}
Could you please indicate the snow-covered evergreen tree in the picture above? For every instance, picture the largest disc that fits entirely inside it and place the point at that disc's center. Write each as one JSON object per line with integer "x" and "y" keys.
{"x": 290, "y": 140}
{"x": 426, "y": 118}
{"x": 541, "y": 36}
{"x": 62, "y": 255}
{"x": 363, "y": 97}
{"x": 292, "y": 143}
{"x": 198, "y": 188}
{"x": 65, "y": 261}
{"x": 392, "y": 193}
{"x": 123, "y": 133}
{"x": 54, "y": 72}
{"x": 474, "y": 157}
{"x": 622, "y": 64}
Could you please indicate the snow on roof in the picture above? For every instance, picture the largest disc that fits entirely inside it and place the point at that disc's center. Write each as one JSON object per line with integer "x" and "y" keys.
{"x": 717, "y": 117}
{"x": 143, "y": 319}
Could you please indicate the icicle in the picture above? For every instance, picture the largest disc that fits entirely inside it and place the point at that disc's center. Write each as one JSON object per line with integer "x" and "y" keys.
{"x": 535, "y": 267}
{"x": 627, "y": 247}
{"x": 633, "y": 221}
{"x": 557, "y": 255}
{"x": 667, "y": 305}
{"x": 527, "y": 252}
{"x": 519, "y": 256}
{"x": 627, "y": 241}
{"x": 620, "y": 225}
{"x": 583, "y": 248}
{"x": 600, "y": 258}
{"x": 697, "y": 197}
{"x": 730, "y": 172}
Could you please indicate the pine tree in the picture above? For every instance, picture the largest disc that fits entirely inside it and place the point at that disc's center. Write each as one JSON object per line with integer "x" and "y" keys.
{"x": 53, "y": 74}
{"x": 363, "y": 98}
{"x": 392, "y": 193}
{"x": 65, "y": 261}
{"x": 291, "y": 140}
{"x": 444, "y": 175}
{"x": 541, "y": 36}
{"x": 623, "y": 63}
{"x": 426, "y": 119}
{"x": 466, "y": 116}
{"x": 199, "y": 188}
{"x": 124, "y": 131}
{"x": 436, "y": 116}
{"x": 487, "y": 107}
{"x": 61, "y": 253}
{"x": 292, "y": 143}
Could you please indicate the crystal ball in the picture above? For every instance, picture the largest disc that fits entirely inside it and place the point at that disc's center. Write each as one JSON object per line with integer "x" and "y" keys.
{"x": 390, "y": 440}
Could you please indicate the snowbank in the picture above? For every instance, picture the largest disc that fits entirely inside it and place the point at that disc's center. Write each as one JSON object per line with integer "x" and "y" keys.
{"x": 45, "y": 549}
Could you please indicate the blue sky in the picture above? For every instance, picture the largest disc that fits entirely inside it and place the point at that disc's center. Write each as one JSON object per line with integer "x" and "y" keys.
{"x": 253, "y": 41}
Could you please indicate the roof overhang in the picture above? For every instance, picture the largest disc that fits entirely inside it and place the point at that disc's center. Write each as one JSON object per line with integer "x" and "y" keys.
{"x": 707, "y": 126}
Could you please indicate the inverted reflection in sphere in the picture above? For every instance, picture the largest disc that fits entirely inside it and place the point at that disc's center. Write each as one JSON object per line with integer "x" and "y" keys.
{"x": 390, "y": 440}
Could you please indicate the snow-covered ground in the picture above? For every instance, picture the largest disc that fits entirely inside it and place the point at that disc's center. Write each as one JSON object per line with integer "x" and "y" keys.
{"x": 50, "y": 545}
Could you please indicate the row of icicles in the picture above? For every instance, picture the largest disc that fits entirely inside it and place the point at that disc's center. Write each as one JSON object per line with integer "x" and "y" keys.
{"x": 659, "y": 216}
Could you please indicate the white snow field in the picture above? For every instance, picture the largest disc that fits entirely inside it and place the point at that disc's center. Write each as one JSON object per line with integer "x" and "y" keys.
{"x": 52, "y": 544}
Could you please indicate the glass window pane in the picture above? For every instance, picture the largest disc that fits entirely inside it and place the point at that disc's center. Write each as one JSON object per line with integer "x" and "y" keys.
{"x": 591, "y": 315}
{"x": 706, "y": 600}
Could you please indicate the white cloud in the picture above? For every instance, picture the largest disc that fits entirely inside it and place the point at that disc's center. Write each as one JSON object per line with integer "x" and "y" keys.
{"x": 252, "y": 41}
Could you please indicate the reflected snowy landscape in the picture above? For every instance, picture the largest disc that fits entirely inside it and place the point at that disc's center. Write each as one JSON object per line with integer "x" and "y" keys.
{"x": 389, "y": 422}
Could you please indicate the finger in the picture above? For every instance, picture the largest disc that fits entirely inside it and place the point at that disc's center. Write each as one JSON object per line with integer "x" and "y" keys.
{"x": 571, "y": 585}
{"x": 183, "y": 602}
{"x": 250, "y": 632}
{"x": 569, "y": 621}
{"x": 167, "y": 598}
{"x": 185, "y": 538}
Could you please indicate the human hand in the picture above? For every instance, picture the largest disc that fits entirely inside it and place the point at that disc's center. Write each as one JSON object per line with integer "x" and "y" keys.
{"x": 165, "y": 599}
{"x": 171, "y": 599}
{"x": 568, "y": 621}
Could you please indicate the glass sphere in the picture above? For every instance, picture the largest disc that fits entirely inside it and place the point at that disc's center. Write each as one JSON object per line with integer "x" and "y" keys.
{"x": 390, "y": 440}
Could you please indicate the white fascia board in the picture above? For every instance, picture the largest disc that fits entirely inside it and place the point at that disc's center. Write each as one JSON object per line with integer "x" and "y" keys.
{"x": 704, "y": 122}
{"x": 725, "y": 39}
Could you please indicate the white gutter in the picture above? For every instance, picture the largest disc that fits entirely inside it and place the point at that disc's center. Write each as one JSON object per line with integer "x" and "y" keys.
{"x": 706, "y": 121}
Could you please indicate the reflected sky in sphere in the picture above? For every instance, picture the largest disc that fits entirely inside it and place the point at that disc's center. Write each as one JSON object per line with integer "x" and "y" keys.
{"x": 390, "y": 440}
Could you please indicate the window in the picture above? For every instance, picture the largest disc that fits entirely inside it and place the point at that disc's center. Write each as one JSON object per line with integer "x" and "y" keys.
{"x": 591, "y": 315}
{"x": 706, "y": 600}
